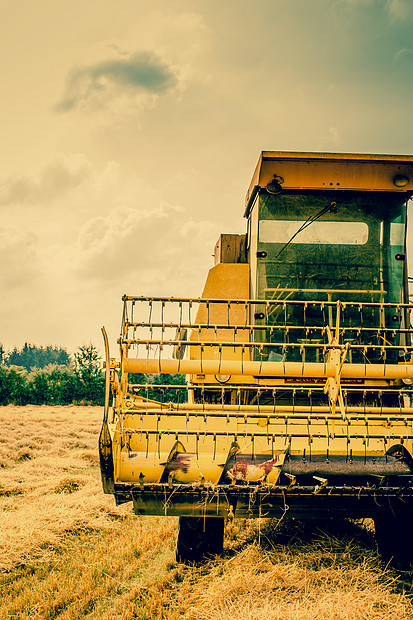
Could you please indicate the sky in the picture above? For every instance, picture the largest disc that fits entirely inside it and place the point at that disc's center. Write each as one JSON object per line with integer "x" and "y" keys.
{"x": 130, "y": 132}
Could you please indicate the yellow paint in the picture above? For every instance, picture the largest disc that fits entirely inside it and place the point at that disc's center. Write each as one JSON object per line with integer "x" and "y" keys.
{"x": 332, "y": 171}
{"x": 275, "y": 369}
{"x": 193, "y": 443}
{"x": 225, "y": 281}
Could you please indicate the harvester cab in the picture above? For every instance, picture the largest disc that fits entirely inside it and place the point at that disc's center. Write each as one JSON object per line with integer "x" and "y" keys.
{"x": 285, "y": 388}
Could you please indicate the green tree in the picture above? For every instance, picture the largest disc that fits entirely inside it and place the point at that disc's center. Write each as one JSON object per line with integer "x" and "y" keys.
{"x": 6, "y": 386}
{"x": 88, "y": 371}
{"x": 150, "y": 387}
{"x": 13, "y": 386}
{"x": 63, "y": 385}
{"x": 31, "y": 356}
{"x": 39, "y": 388}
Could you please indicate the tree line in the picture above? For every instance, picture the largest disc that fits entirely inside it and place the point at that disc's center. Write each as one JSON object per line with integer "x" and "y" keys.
{"x": 30, "y": 356}
{"x": 51, "y": 376}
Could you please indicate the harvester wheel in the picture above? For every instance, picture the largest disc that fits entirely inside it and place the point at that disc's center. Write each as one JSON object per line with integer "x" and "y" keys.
{"x": 199, "y": 537}
{"x": 394, "y": 539}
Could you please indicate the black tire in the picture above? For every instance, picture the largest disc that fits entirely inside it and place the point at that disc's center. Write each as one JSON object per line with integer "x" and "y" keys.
{"x": 394, "y": 538}
{"x": 199, "y": 538}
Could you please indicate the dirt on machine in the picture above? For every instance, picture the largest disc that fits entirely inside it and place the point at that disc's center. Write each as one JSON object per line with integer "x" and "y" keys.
{"x": 287, "y": 387}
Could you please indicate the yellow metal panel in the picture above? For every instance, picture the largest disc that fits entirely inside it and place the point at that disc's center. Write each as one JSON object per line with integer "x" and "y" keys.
{"x": 332, "y": 171}
{"x": 225, "y": 280}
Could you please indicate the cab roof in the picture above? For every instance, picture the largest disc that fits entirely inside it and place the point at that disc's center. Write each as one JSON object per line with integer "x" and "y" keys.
{"x": 331, "y": 171}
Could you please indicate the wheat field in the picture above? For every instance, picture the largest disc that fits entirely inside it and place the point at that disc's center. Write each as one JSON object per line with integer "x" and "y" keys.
{"x": 67, "y": 552}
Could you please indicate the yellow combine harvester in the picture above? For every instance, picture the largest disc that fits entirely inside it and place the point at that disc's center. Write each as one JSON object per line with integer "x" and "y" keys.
{"x": 298, "y": 364}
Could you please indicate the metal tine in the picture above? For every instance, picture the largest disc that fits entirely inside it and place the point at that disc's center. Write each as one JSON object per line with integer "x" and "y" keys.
{"x": 242, "y": 357}
{"x": 345, "y": 400}
{"x": 327, "y": 434}
{"x": 405, "y": 355}
{"x": 132, "y": 320}
{"x": 201, "y": 348}
{"x": 285, "y": 350}
{"x": 124, "y": 320}
{"x": 177, "y": 397}
{"x": 150, "y": 308}
{"x": 367, "y": 430}
{"x": 285, "y": 313}
{"x": 219, "y": 357}
{"x": 150, "y": 317}
{"x": 163, "y": 324}
{"x": 180, "y": 314}
{"x": 180, "y": 396}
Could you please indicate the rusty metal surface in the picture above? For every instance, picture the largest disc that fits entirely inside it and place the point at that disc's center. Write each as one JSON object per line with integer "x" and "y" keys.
{"x": 268, "y": 501}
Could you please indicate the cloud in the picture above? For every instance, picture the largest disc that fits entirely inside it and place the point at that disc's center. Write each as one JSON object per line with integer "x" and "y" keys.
{"x": 396, "y": 10}
{"x": 18, "y": 259}
{"x": 405, "y": 52}
{"x": 93, "y": 86}
{"x": 55, "y": 180}
{"x": 157, "y": 249}
{"x": 399, "y": 9}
